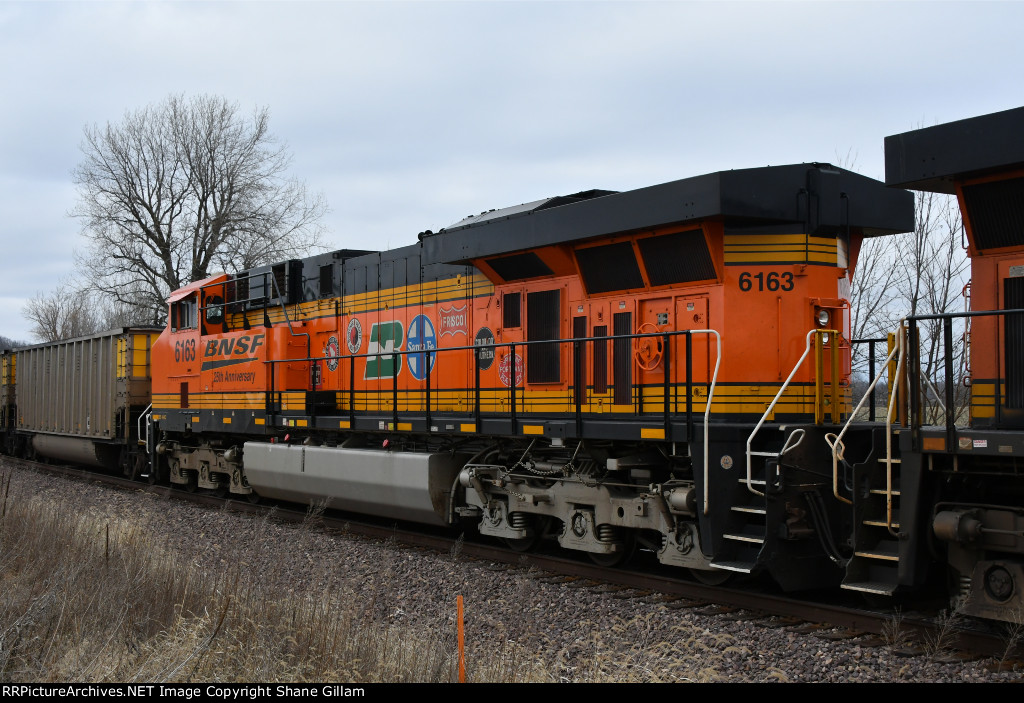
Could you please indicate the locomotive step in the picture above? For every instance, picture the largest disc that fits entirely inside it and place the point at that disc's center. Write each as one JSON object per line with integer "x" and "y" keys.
{"x": 881, "y": 553}
{"x": 743, "y": 567}
{"x": 881, "y": 523}
{"x": 878, "y": 587}
{"x": 881, "y": 491}
{"x": 745, "y": 537}
{"x": 749, "y": 509}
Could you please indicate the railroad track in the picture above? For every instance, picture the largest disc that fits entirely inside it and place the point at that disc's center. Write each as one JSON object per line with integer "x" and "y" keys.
{"x": 835, "y": 621}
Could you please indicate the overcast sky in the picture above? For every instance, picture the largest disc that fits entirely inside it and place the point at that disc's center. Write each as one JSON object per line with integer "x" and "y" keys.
{"x": 411, "y": 115}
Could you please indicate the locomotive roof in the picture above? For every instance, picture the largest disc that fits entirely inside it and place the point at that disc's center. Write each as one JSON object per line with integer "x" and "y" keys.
{"x": 932, "y": 158}
{"x": 745, "y": 199}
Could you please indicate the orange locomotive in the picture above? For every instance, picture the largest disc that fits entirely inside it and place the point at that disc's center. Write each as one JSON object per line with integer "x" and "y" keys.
{"x": 960, "y": 481}
{"x": 608, "y": 369}
{"x": 657, "y": 367}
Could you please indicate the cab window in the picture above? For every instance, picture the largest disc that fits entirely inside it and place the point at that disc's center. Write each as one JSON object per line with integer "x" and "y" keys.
{"x": 183, "y": 314}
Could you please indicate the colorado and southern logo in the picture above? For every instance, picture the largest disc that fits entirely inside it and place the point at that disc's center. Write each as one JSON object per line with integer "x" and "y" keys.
{"x": 231, "y": 350}
{"x": 484, "y": 357}
{"x": 385, "y": 339}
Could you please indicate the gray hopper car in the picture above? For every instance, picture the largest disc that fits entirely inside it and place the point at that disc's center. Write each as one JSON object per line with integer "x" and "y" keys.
{"x": 79, "y": 400}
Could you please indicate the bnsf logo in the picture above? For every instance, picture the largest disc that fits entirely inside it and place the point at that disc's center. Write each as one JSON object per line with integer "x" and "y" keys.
{"x": 385, "y": 338}
{"x": 235, "y": 346}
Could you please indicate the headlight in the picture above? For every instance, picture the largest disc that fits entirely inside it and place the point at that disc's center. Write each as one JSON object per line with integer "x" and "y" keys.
{"x": 823, "y": 318}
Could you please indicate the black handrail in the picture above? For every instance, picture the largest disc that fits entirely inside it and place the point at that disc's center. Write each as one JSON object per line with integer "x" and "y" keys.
{"x": 670, "y": 387}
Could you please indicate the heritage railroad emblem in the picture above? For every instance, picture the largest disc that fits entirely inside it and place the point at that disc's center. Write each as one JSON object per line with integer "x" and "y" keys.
{"x": 453, "y": 320}
{"x": 484, "y": 357}
{"x": 354, "y": 336}
{"x": 332, "y": 351}
{"x": 423, "y": 339}
{"x": 504, "y": 370}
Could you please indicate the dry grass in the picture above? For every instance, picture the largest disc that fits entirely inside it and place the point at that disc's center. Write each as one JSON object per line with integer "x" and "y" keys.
{"x": 89, "y": 599}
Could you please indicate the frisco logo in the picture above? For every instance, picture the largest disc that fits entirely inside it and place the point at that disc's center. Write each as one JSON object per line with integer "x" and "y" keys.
{"x": 453, "y": 321}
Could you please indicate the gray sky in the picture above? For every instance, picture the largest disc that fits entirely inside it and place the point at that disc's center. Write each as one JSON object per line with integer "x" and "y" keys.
{"x": 411, "y": 115}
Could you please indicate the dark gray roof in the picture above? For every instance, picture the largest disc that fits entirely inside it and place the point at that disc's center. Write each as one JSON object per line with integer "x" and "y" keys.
{"x": 813, "y": 198}
{"x": 931, "y": 158}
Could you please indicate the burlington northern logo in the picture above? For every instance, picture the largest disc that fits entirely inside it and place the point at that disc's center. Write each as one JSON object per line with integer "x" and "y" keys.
{"x": 233, "y": 350}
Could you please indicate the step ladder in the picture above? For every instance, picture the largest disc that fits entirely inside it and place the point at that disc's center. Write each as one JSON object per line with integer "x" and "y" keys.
{"x": 746, "y": 533}
{"x": 874, "y": 567}
{"x": 744, "y": 538}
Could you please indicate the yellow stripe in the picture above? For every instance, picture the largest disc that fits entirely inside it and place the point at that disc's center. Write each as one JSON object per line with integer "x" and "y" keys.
{"x": 652, "y": 433}
{"x": 227, "y": 421}
{"x": 403, "y": 296}
{"x": 746, "y": 399}
{"x": 782, "y": 249}
{"x": 260, "y": 421}
{"x": 533, "y": 429}
{"x": 467, "y": 427}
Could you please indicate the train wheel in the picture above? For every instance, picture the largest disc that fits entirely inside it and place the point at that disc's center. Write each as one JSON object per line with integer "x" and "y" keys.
{"x": 616, "y": 558}
{"x": 253, "y": 497}
{"x": 192, "y": 484}
{"x": 524, "y": 544}
{"x": 711, "y": 577}
{"x": 540, "y": 526}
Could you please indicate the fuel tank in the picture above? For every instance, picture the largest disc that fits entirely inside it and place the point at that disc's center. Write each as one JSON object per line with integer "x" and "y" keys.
{"x": 402, "y": 485}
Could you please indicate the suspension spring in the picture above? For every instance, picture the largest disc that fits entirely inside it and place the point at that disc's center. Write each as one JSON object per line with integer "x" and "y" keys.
{"x": 609, "y": 533}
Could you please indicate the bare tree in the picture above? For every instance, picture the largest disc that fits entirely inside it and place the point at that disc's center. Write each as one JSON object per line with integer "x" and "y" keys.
{"x": 8, "y": 343}
{"x": 934, "y": 269}
{"x": 65, "y": 313}
{"x": 918, "y": 273}
{"x": 181, "y": 189}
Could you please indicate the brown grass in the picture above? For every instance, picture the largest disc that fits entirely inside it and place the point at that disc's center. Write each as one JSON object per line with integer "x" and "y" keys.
{"x": 88, "y": 599}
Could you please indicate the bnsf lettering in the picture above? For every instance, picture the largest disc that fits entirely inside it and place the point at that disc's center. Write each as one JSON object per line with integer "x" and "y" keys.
{"x": 234, "y": 346}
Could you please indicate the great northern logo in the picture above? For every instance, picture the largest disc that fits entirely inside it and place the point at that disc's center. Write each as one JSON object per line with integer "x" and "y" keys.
{"x": 219, "y": 353}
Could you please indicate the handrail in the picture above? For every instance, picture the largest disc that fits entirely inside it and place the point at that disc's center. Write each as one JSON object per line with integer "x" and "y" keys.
{"x": 144, "y": 416}
{"x": 835, "y": 442}
{"x": 514, "y": 345}
{"x": 771, "y": 406}
{"x": 893, "y": 397}
{"x": 707, "y": 413}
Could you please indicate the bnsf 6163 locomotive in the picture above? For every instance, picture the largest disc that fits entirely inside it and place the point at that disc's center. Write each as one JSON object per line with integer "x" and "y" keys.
{"x": 654, "y": 368}
{"x": 666, "y": 369}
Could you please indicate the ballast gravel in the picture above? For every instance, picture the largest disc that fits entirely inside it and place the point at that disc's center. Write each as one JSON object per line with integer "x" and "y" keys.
{"x": 577, "y": 633}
